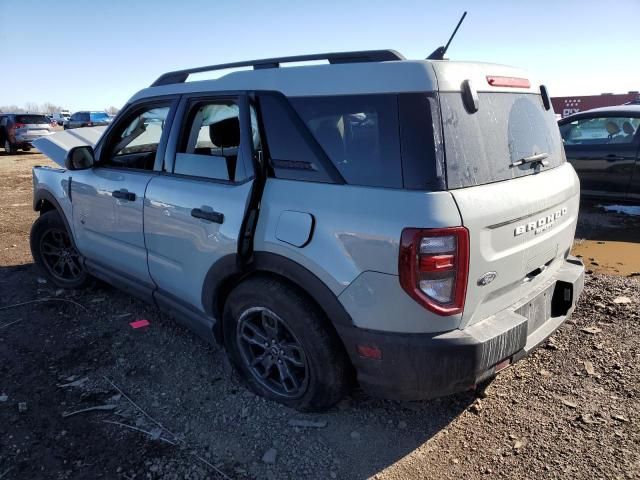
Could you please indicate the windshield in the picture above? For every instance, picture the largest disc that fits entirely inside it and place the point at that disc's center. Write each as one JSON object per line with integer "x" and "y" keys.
{"x": 31, "y": 119}
{"x": 482, "y": 147}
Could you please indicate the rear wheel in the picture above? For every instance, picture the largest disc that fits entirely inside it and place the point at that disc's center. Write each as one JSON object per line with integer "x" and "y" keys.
{"x": 279, "y": 342}
{"x": 54, "y": 252}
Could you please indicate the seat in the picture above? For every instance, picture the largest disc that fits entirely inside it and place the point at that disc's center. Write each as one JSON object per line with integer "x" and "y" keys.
{"x": 225, "y": 135}
{"x": 628, "y": 130}
{"x": 626, "y": 136}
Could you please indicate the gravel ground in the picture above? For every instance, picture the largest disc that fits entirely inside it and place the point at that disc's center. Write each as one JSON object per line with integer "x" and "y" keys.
{"x": 170, "y": 406}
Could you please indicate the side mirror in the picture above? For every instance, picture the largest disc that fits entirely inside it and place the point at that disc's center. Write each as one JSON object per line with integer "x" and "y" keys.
{"x": 79, "y": 158}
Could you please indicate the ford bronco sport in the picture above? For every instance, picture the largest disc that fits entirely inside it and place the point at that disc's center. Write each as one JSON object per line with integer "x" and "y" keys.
{"x": 409, "y": 222}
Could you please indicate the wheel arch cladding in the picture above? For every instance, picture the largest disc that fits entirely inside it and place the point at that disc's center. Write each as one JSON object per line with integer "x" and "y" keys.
{"x": 225, "y": 274}
{"x": 44, "y": 202}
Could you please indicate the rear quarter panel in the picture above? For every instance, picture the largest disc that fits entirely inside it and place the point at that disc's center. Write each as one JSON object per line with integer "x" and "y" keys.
{"x": 354, "y": 245}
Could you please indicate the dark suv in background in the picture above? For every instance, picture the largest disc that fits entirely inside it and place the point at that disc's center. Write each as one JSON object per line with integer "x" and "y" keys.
{"x": 19, "y": 130}
{"x": 603, "y": 146}
{"x": 87, "y": 119}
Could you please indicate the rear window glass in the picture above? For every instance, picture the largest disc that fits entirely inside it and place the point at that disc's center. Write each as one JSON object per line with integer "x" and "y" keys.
{"x": 379, "y": 140}
{"x": 31, "y": 119}
{"x": 507, "y": 128}
{"x": 359, "y": 133}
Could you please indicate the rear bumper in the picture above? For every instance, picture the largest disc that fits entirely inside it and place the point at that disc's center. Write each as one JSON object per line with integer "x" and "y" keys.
{"x": 27, "y": 140}
{"x": 420, "y": 366}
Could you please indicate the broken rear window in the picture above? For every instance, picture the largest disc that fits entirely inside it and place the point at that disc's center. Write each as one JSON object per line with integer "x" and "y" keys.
{"x": 507, "y": 127}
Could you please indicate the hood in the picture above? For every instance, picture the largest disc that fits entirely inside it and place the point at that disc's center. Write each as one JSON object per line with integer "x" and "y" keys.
{"x": 57, "y": 145}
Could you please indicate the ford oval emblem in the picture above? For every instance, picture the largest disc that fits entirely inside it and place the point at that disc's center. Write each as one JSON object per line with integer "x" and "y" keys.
{"x": 487, "y": 278}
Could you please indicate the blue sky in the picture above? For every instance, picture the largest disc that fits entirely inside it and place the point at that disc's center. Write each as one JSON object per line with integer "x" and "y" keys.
{"x": 93, "y": 54}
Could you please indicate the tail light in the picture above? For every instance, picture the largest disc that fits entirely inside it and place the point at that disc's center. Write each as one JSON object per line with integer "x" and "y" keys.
{"x": 20, "y": 125}
{"x": 433, "y": 267}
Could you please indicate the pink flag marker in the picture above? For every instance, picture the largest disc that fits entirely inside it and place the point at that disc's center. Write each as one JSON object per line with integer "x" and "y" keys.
{"x": 139, "y": 324}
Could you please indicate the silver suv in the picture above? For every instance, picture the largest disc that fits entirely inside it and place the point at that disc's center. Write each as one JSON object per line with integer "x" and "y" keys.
{"x": 20, "y": 130}
{"x": 405, "y": 223}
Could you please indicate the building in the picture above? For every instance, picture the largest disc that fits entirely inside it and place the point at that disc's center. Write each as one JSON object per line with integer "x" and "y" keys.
{"x": 565, "y": 106}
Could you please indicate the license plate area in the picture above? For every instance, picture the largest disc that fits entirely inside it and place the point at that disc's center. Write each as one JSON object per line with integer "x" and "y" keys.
{"x": 537, "y": 310}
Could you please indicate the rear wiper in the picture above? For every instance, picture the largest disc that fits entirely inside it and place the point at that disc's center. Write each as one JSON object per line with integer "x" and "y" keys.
{"x": 537, "y": 158}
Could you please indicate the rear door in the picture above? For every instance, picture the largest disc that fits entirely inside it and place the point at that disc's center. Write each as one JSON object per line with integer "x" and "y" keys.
{"x": 194, "y": 211}
{"x": 521, "y": 217}
{"x": 108, "y": 198}
{"x": 602, "y": 149}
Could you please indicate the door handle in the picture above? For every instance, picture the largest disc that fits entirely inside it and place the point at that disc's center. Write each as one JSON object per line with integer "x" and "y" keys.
{"x": 215, "y": 217}
{"x": 613, "y": 156}
{"x": 124, "y": 195}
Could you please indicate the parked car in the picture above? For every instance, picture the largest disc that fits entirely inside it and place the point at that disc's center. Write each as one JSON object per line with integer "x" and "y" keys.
{"x": 87, "y": 119}
{"x": 19, "y": 130}
{"x": 409, "y": 221}
{"x": 603, "y": 145}
{"x": 61, "y": 117}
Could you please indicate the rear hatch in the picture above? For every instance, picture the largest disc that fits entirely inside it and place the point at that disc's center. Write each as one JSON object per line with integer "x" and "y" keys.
{"x": 30, "y": 127}
{"x": 517, "y": 196}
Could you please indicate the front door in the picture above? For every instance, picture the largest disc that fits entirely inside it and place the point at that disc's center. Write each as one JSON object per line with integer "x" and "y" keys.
{"x": 193, "y": 213}
{"x": 108, "y": 199}
{"x": 603, "y": 152}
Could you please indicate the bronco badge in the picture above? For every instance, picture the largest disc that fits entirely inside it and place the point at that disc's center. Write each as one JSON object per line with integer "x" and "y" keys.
{"x": 542, "y": 224}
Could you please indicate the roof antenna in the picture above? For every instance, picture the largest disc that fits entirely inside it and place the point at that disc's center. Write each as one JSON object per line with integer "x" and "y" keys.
{"x": 438, "y": 53}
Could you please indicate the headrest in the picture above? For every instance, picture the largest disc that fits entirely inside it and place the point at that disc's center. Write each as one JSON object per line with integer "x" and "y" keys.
{"x": 628, "y": 128}
{"x": 612, "y": 128}
{"x": 225, "y": 133}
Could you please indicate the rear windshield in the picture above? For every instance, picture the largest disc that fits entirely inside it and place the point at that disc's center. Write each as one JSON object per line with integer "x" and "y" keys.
{"x": 31, "y": 119}
{"x": 508, "y": 127}
{"x": 99, "y": 117}
{"x": 371, "y": 139}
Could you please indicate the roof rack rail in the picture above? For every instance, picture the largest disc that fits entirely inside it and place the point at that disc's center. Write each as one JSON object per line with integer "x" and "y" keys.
{"x": 180, "y": 76}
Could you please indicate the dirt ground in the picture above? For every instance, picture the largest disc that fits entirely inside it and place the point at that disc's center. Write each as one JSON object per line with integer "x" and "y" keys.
{"x": 170, "y": 407}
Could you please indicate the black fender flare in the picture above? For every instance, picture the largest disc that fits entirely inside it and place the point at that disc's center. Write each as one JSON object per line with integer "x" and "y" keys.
{"x": 225, "y": 274}
{"x": 45, "y": 195}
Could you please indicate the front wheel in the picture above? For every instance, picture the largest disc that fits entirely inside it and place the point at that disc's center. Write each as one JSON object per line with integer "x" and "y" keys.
{"x": 54, "y": 252}
{"x": 281, "y": 345}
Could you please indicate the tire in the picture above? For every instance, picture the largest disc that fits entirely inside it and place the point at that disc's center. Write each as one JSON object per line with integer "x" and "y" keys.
{"x": 312, "y": 355}
{"x": 10, "y": 148}
{"x": 54, "y": 252}
{"x": 26, "y": 149}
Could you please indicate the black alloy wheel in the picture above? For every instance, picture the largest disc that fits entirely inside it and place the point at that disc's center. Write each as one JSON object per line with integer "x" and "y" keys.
{"x": 272, "y": 353}
{"x": 59, "y": 256}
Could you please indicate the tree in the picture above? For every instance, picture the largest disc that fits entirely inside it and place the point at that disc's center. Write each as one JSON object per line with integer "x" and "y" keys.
{"x": 32, "y": 107}
{"x": 49, "y": 107}
{"x": 112, "y": 110}
{"x": 11, "y": 109}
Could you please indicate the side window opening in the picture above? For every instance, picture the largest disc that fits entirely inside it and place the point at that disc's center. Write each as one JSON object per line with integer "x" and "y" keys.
{"x": 134, "y": 143}
{"x": 210, "y": 146}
